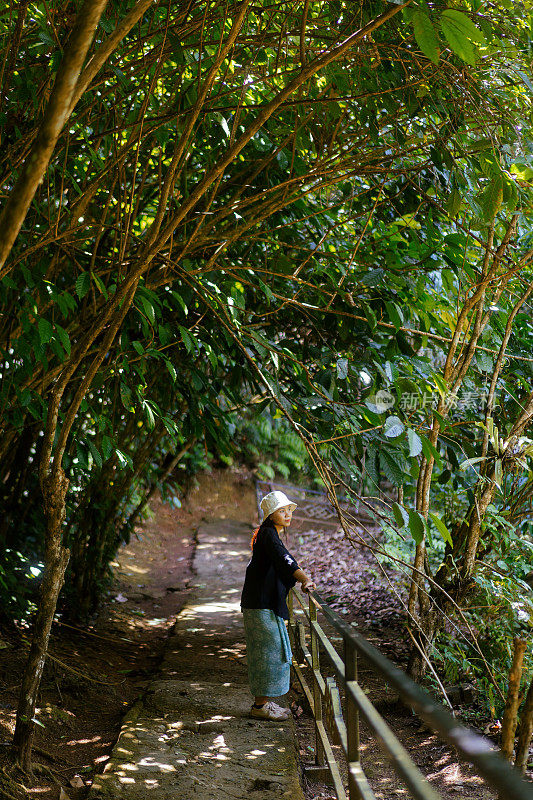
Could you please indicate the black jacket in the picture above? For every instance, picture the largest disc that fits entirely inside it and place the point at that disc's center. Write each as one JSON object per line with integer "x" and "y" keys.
{"x": 269, "y": 575}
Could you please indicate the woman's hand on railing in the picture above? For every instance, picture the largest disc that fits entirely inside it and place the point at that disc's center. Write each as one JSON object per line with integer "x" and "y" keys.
{"x": 307, "y": 584}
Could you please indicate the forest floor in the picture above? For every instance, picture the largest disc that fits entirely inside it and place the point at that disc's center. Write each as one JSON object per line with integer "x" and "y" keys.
{"x": 96, "y": 673}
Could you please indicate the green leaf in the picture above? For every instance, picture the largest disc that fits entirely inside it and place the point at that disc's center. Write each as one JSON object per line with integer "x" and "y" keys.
{"x": 426, "y": 36}
{"x": 525, "y": 78}
{"x": 415, "y": 443}
{"x": 57, "y": 349}
{"x": 64, "y": 338}
{"x": 45, "y": 329}
{"x": 464, "y": 25}
{"x": 171, "y": 369}
{"x": 400, "y": 515}
{"x": 392, "y": 468}
{"x": 453, "y": 204}
{"x": 459, "y": 43}
{"x": 83, "y": 284}
{"x": 370, "y": 316}
{"x": 492, "y": 198}
{"x": 469, "y": 462}
{"x": 442, "y": 529}
{"x": 417, "y": 526}
{"x": 149, "y": 416}
{"x": 373, "y": 277}
{"x": 370, "y": 464}
{"x": 444, "y": 477}
{"x": 99, "y": 284}
{"x": 510, "y": 193}
{"x": 498, "y": 472}
{"x": 24, "y": 397}
{"x": 187, "y": 339}
{"x": 95, "y": 454}
{"x": 265, "y": 289}
{"x": 120, "y": 75}
{"x": 370, "y": 415}
{"x": 82, "y": 455}
{"x": 393, "y": 427}
{"x": 124, "y": 459}
{"x": 126, "y": 397}
{"x": 395, "y": 314}
{"x": 107, "y": 446}
{"x": 484, "y": 361}
{"x": 148, "y": 309}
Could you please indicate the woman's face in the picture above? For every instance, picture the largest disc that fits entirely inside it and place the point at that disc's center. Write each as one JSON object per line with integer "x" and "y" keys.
{"x": 282, "y": 517}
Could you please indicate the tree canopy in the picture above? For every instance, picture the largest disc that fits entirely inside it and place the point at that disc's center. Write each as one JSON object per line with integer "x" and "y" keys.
{"x": 314, "y": 211}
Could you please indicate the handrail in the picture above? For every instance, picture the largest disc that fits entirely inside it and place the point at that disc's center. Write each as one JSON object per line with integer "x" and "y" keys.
{"x": 325, "y": 702}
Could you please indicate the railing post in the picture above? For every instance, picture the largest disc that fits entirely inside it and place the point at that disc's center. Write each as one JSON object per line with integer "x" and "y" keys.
{"x": 292, "y": 622}
{"x": 317, "y": 697}
{"x": 352, "y": 717}
{"x": 290, "y": 606}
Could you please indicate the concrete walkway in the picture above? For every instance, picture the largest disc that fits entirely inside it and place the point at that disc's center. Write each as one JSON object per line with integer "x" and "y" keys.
{"x": 191, "y": 738}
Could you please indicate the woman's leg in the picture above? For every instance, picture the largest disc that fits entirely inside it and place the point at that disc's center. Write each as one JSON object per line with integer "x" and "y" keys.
{"x": 260, "y": 701}
{"x": 268, "y": 655}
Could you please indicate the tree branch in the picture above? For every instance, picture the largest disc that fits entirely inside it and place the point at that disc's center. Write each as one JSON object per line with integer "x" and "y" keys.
{"x": 56, "y": 114}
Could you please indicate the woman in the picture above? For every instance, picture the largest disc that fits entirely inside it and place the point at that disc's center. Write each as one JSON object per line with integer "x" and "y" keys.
{"x": 272, "y": 571}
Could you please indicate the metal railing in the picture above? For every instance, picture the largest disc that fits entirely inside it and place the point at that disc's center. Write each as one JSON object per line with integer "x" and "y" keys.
{"x": 335, "y": 726}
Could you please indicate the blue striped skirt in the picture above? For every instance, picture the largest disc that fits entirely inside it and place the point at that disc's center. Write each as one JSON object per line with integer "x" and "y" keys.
{"x": 268, "y": 652}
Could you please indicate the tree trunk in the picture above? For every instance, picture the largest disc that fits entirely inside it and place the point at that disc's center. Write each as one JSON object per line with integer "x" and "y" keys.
{"x": 525, "y": 732}
{"x": 429, "y": 623}
{"x": 54, "y": 485}
{"x": 513, "y": 700}
{"x": 454, "y": 576}
{"x": 54, "y": 492}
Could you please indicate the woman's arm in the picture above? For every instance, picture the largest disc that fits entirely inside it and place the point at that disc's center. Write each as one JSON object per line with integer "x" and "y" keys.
{"x": 284, "y": 563}
{"x": 307, "y": 583}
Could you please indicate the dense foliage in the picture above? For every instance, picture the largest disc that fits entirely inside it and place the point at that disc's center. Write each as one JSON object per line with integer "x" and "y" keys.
{"x": 317, "y": 212}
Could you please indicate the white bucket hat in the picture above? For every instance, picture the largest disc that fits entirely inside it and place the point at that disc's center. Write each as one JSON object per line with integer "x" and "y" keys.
{"x": 273, "y": 501}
